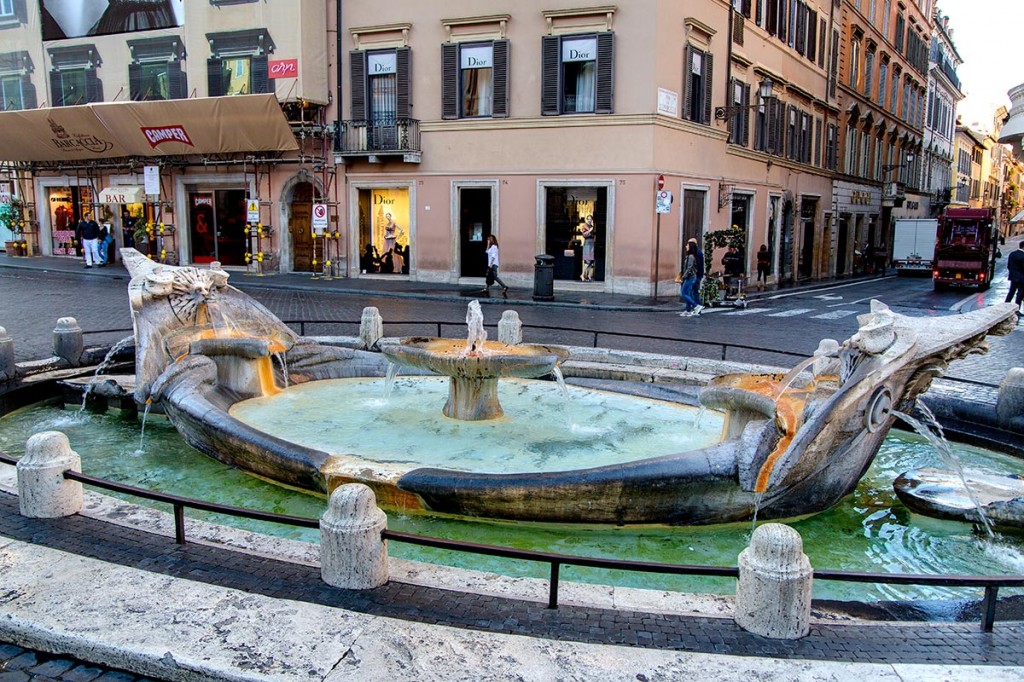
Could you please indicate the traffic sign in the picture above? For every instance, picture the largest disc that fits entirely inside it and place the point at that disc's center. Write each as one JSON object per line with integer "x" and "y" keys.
{"x": 319, "y": 217}
{"x": 661, "y": 182}
{"x": 663, "y": 202}
{"x": 252, "y": 210}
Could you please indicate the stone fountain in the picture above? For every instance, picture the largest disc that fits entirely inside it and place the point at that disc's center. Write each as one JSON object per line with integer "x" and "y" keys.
{"x": 474, "y": 366}
{"x": 790, "y": 445}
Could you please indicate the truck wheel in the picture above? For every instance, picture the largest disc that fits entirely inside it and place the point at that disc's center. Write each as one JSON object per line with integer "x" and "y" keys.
{"x": 940, "y": 286}
{"x": 984, "y": 287}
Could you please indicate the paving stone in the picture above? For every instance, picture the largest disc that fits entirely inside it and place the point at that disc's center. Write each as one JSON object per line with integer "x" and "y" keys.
{"x": 53, "y": 668}
{"x": 82, "y": 673}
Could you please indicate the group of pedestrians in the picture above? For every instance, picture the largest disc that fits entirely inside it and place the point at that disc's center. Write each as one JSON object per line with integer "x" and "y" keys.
{"x": 95, "y": 241}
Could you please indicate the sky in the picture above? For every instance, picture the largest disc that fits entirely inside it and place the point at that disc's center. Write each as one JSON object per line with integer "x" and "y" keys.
{"x": 987, "y": 35}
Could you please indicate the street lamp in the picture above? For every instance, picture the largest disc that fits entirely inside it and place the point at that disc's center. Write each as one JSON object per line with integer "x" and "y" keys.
{"x": 908, "y": 160}
{"x": 764, "y": 92}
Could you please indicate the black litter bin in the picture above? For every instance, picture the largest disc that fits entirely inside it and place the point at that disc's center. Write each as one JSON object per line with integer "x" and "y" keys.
{"x": 544, "y": 278}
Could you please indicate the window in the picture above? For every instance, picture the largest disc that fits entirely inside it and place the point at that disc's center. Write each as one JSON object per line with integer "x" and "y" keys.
{"x": 833, "y": 68}
{"x": 73, "y": 78}
{"x": 474, "y": 79}
{"x": 577, "y": 74}
{"x": 16, "y": 89}
{"x": 6, "y": 9}
{"x": 869, "y": 67}
{"x": 894, "y": 91}
{"x": 900, "y": 28}
{"x": 883, "y": 73}
{"x": 886, "y": 11}
{"x": 854, "y": 63}
{"x": 239, "y": 65}
{"x": 739, "y": 124}
{"x": 156, "y": 72}
{"x": 381, "y": 90}
{"x": 832, "y": 146}
{"x": 697, "y": 85}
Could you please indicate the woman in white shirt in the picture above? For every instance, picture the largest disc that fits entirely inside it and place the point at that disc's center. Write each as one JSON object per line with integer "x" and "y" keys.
{"x": 492, "y": 267}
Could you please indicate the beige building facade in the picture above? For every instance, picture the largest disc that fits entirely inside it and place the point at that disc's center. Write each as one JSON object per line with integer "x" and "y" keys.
{"x": 443, "y": 125}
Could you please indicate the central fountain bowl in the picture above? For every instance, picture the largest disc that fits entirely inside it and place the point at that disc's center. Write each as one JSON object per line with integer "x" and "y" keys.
{"x": 474, "y": 370}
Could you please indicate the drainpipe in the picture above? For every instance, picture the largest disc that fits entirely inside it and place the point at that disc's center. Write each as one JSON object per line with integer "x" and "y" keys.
{"x": 728, "y": 58}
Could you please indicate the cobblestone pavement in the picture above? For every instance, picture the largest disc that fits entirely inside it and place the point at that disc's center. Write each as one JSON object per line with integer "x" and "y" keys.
{"x": 22, "y": 665}
{"x": 932, "y": 643}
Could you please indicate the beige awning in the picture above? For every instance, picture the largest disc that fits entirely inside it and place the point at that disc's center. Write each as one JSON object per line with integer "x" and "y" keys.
{"x": 128, "y": 194}
{"x": 209, "y": 125}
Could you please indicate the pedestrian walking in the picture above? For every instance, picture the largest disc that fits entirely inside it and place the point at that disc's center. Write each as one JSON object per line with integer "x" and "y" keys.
{"x": 1015, "y": 271}
{"x": 700, "y": 267}
{"x": 492, "y": 267}
{"x": 88, "y": 234}
{"x": 764, "y": 261}
{"x": 687, "y": 293}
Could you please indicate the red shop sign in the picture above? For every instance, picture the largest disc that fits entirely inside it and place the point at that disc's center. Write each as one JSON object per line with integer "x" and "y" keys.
{"x": 283, "y": 68}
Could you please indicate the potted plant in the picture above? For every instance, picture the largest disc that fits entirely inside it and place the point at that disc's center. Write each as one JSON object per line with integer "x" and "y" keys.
{"x": 10, "y": 215}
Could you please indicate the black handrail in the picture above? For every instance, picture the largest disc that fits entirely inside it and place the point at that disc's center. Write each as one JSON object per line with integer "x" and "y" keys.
{"x": 990, "y": 584}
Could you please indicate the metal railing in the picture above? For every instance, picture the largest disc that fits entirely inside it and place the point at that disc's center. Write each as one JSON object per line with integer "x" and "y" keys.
{"x": 990, "y": 584}
{"x": 391, "y": 135}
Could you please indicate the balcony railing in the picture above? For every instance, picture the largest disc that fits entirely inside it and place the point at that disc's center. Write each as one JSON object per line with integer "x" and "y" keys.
{"x": 380, "y": 137}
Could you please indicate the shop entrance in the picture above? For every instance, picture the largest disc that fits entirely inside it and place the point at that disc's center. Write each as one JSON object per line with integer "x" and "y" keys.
{"x": 66, "y": 207}
{"x": 567, "y": 209}
{"x": 217, "y": 226}
{"x": 474, "y": 228}
{"x": 841, "y": 248}
{"x": 385, "y": 239}
{"x": 300, "y": 227}
{"x": 808, "y": 208}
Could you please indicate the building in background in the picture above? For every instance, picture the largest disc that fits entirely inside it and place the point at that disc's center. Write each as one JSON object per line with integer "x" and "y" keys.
{"x": 970, "y": 155}
{"x": 944, "y": 93}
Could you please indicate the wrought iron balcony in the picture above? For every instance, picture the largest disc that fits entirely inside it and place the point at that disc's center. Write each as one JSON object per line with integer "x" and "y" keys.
{"x": 378, "y": 138}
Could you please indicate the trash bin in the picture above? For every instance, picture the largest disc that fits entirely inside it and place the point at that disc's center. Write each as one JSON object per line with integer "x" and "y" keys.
{"x": 544, "y": 278}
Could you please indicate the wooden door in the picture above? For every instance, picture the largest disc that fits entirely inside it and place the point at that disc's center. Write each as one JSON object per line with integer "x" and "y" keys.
{"x": 300, "y": 226}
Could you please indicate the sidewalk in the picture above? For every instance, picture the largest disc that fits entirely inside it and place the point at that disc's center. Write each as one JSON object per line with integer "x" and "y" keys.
{"x": 576, "y": 294}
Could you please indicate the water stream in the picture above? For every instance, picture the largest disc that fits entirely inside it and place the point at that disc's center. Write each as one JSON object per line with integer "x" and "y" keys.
{"x": 389, "y": 380}
{"x": 142, "y": 431}
{"x": 930, "y": 429}
{"x": 108, "y": 359}
{"x": 792, "y": 375}
{"x": 282, "y": 359}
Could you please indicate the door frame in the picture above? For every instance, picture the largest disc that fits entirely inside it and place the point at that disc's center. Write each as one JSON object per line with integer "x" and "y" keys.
{"x": 202, "y": 182}
{"x": 705, "y": 218}
{"x": 455, "y": 214}
{"x": 285, "y": 198}
{"x": 540, "y": 244}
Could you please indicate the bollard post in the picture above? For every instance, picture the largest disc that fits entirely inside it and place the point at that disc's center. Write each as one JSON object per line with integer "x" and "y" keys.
{"x": 67, "y": 341}
{"x": 1010, "y": 402}
{"x": 43, "y": 492}
{"x": 773, "y": 596}
{"x": 353, "y": 555}
{"x": 371, "y": 328}
{"x": 8, "y": 368}
{"x": 510, "y": 328}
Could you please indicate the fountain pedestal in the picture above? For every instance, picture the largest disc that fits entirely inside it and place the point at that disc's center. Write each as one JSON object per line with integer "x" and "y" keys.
{"x": 473, "y": 399}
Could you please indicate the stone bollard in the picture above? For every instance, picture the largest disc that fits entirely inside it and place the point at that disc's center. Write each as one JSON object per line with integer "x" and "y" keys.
{"x": 371, "y": 328}
{"x": 43, "y": 492}
{"x": 1010, "y": 402}
{"x": 510, "y": 328}
{"x": 773, "y": 596}
{"x": 67, "y": 341}
{"x": 8, "y": 370}
{"x": 352, "y": 554}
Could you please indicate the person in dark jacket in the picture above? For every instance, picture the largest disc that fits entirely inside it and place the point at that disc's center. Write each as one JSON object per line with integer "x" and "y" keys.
{"x": 1015, "y": 272}
{"x": 88, "y": 234}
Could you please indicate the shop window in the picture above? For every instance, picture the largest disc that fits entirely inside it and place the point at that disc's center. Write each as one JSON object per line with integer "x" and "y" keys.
{"x": 16, "y": 89}
{"x": 239, "y": 62}
{"x": 156, "y": 72}
{"x": 697, "y": 85}
{"x": 474, "y": 79}
{"x": 566, "y": 213}
{"x": 385, "y": 240}
{"x": 577, "y": 74}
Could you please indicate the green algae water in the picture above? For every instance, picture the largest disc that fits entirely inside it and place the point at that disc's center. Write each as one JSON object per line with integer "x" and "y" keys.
{"x": 870, "y": 530}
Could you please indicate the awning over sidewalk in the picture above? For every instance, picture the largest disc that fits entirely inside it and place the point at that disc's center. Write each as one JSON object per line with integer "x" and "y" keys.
{"x": 129, "y": 194}
{"x": 1017, "y": 218}
{"x": 209, "y": 125}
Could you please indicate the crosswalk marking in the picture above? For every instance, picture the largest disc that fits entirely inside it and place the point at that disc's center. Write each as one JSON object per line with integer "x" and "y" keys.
{"x": 792, "y": 313}
{"x": 834, "y": 315}
{"x": 747, "y": 311}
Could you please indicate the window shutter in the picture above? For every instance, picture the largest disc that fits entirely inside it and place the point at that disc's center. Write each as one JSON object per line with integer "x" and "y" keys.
{"x": 499, "y": 108}
{"x": 56, "y": 95}
{"x": 817, "y": 142}
{"x": 733, "y": 122}
{"x": 745, "y": 131}
{"x": 93, "y": 87}
{"x": 708, "y": 82}
{"x": 28, "y": 94}
{"x": 357, "y": 77}
{"x": 260, "y": 76}
{"x": 812, "y": 35}
{"x": 403, "y": 79}
{"x": 135, "y": 82}
{"x": 687, "y": 77}
{"x": 175, "y": 81}
{"x": 604, "y": 100}
{"x": 450, "y": 80}
{"x": 772, "y": 16}
{"x": 214, "y": 78}
{"x": 551, "y": 76}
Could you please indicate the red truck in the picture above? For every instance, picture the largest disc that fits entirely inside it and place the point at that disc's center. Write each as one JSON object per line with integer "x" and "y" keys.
{"x": 966, "y": 242}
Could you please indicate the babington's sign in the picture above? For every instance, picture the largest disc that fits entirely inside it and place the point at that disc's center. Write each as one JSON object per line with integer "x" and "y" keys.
{"x": 75, "y": 142}
{"x": 160, "y": 134}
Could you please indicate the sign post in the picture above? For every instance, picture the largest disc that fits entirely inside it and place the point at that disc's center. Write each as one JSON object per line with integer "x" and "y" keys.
{"x": 662, "y": 204}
